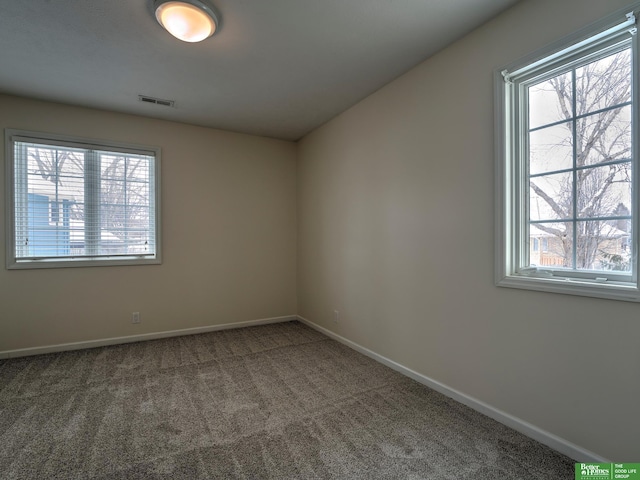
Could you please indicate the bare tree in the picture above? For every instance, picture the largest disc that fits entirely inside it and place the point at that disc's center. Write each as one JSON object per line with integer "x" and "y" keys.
{"x": 594, "y": 100}
{"x": 124, "y": 191}
{"x": 125, "y": 199}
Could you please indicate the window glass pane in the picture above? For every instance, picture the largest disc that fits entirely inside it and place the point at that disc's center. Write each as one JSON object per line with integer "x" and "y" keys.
{"x": 550, "y": 197}
{"x": 76, "y": 231}
{"x": 138, "y": 170}
{"x": 55, "y": 184}
{"x": 604, "y": 191}
{"x": 125, "y": 204}
{"x": 604, "y": 137}
{"x": 55, "y": 172}
{"x": 112, "y": 167}
{"x": 550, "y": 101}
{"x": 604, "y": 83}
{"x": 554, "y": 242}
{"x": 603, "y": 246}
{"x": 551, "y": 149}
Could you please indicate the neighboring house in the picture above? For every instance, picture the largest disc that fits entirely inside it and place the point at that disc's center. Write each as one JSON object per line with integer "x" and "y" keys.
{"x": 52, "y": 232}
{"x": 547, "y": 250}
{"x": 48, "y": 226}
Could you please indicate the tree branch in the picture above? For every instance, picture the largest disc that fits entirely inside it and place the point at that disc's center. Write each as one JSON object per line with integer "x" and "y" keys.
{"x": 550, "y": 201}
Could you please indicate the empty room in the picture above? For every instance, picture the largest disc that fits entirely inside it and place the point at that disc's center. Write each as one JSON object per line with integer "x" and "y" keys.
{"x": 342, "y": 239}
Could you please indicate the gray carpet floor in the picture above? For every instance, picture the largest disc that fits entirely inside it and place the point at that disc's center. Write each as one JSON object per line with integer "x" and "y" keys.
{"x": 278, "y": 401}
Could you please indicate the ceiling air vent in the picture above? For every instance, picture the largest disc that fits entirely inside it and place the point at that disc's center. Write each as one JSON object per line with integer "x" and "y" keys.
{"x": 156, "y": 101}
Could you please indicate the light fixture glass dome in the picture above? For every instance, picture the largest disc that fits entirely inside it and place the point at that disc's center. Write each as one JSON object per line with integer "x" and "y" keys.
{"x": 189, "y": 21}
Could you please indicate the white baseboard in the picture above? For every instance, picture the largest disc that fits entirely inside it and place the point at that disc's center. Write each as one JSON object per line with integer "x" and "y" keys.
{"x": 139, "y": 338}
{"x": 561, "y": 445}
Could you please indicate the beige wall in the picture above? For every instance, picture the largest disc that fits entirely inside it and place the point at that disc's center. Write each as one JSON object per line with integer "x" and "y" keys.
{"x": 395, "y": 230}
{"x": 228, "y": 232}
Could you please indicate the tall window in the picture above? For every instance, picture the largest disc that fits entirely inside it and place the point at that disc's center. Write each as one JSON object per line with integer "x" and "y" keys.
{"x": 568, "y": 168}
{"x": 76, "y": 202}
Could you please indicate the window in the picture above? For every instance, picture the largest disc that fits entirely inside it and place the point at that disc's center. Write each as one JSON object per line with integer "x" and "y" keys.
{"x": 55, "y": 212}
{"x": 76, "y": 202}
{"x": 567, "y": 170}
{"x": 545, "y": 244}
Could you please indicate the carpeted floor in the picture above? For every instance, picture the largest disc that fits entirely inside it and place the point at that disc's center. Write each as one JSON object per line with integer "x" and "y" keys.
{"x": 279, "y": 401}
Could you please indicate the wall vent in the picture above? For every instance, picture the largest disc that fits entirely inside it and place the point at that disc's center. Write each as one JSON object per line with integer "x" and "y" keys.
{"x": 156, "y": 101}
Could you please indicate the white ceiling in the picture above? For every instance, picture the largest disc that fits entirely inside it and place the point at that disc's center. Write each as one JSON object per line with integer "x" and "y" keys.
{"x": 277, "y": 68}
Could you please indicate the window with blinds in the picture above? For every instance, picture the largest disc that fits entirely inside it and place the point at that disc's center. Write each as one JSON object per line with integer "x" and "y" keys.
{"x": 77, "y": 203}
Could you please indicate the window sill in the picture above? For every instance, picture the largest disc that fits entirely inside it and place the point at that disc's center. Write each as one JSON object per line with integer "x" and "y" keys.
{"x": 82, "y": 262}
{"x": 628, "y": 292}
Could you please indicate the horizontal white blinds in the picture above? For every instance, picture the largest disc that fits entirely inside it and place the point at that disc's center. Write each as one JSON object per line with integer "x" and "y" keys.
{"x": 75, "y": 202}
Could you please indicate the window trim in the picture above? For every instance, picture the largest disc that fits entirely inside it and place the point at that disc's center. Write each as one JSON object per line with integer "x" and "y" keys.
{"x": 509, "y": 177}
{"x": 12, "y": 263}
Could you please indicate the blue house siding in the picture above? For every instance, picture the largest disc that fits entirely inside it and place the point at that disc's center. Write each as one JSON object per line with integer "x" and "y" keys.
{"x": 46, "y": 238}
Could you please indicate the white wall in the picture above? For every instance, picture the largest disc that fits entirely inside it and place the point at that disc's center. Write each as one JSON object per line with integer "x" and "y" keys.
{"x": 395, "y": 230}
{"x": 228, "y": 231}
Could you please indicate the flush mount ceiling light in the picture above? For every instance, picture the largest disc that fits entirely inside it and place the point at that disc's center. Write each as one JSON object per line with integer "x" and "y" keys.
{"x": 187, "y": 20}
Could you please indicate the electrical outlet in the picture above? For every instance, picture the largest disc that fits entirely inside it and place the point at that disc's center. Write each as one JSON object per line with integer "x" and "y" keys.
{"x": 135, "y": 317}
{"x": 336, "y": 316}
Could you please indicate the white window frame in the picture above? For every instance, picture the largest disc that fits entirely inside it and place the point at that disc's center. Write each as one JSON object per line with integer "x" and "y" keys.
{"x": 12, "y": 262}
{"x": 511, "y": 192}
